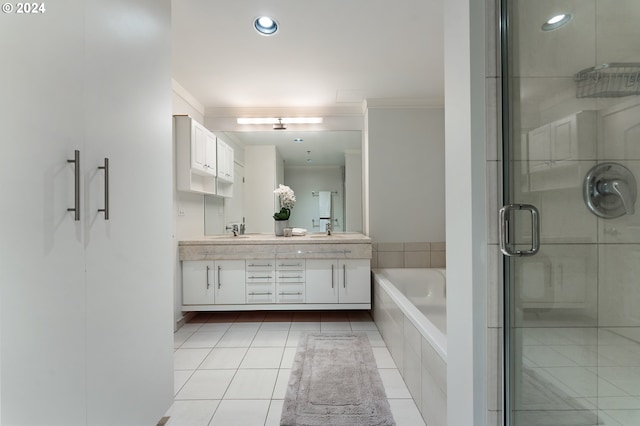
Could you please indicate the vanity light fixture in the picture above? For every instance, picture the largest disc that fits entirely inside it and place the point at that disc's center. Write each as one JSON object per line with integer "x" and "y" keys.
{"x": 556, "y": 22}
{"x": 283, "y": 120}
{"x": 265, "y": 25}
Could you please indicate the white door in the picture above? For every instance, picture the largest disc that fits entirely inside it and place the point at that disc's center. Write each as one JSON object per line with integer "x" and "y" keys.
{"x": 354, "y": 278}
{"x": 42, "y": 291}
{"x": 128, "y": 257}
{"x": 229, "y": 282}
{"x": 321, "y": 281}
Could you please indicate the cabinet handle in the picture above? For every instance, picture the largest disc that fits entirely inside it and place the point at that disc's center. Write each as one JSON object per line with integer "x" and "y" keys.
{"x": 286, "y": 276}
{"x": 332, "y": 279}
{"x": 260, "y": 294}
{"x": 344, "y": 276}
{"x": 76, "y": 186}
{"x": 106, "y": 188}
{"x": 219, "y": 282}
{"x": 208, "y": 276}
{"x": 284, "y": 293}
{"x": 255, "y": 264}
{"x": 254, "y": 277}
{"x": 289, "y": 264}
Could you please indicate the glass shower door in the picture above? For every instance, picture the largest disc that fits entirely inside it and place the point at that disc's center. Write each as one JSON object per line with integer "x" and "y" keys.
{"x": 572, "y": 153}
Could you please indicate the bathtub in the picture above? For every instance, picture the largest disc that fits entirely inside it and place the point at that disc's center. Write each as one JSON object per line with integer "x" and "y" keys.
{"x": 409, "y": 308}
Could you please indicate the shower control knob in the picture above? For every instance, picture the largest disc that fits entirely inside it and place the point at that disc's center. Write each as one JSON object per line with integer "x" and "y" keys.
{"x": 610, "y": 190}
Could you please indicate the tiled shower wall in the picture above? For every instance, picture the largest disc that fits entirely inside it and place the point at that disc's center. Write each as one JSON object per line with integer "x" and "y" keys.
{"x": 408, "y": 255}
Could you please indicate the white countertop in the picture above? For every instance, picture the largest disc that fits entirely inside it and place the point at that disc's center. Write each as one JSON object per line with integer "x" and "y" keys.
{"x": 271, "y": 239}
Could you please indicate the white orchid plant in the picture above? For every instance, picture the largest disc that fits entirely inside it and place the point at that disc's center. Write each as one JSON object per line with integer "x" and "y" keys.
{"x": 287, "y": 200}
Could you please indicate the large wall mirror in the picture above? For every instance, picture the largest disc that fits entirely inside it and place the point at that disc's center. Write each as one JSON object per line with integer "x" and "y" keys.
{"x": 312, "y": 162}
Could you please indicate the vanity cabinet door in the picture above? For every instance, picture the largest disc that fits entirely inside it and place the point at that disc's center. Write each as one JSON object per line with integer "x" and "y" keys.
{"x": 322, "y": 281}
{"x": 229, "y": 282}
{"x": 354, "y": 281}
{"x": 197, "y": 282}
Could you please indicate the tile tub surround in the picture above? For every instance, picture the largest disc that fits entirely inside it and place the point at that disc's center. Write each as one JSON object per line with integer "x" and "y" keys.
{"x": 408, "y": 255}
{"x": 420, "y": 365}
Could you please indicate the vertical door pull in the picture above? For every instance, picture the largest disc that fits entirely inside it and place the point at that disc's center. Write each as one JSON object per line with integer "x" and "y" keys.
{"x": 106, "y": 188}
{"x": 344, "y": 276}
{"x": 219, "y": 282}
{"x": 332, "y": 275}
{"x": 503, "y": 230}
{"x": 76, "y": 185}
{"x": 207, "y": 277}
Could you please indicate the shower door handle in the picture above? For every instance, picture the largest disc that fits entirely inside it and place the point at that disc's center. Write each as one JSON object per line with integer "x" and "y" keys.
{"x": 503, "y": 230}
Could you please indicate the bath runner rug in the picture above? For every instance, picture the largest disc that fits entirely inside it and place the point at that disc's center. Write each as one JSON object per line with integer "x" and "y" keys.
{"x": 335, "y": 381}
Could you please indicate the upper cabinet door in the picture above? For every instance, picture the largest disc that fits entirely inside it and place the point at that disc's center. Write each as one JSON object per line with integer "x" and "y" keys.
{"x": 198, "y": 147}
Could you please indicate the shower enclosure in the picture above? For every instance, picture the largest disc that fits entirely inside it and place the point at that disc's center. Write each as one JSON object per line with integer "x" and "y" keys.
{"x": 570, "y": 228}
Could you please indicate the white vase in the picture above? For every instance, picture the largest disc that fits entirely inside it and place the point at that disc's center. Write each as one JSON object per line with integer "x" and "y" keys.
{"x": 279, "y": 227}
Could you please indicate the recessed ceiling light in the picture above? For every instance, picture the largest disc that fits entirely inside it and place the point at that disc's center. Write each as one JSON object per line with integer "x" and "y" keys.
{"x": 556, "y": 22}
{"x": 265, "y": 25}
{"x": 298, "y": 140}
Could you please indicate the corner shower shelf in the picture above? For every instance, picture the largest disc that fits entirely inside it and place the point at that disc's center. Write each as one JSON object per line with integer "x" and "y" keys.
{"x": 612, "y": 80}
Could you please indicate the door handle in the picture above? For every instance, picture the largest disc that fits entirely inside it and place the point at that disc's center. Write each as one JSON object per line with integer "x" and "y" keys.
{"x": 503, "y": 230}
{"x": 76, "y": 186}
{"x": 106, "y": 188}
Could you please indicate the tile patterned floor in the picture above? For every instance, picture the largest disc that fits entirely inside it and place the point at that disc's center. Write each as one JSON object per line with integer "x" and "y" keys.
{"x": 232, "y": 368}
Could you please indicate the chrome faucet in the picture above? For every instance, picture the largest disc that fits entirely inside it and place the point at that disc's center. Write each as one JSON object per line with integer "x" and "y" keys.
{"x": 328, "y": 228}
{"x": 234, "y": 229}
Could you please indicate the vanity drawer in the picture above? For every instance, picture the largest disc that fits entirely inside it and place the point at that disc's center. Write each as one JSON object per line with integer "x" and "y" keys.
{"x": 290, "y": 293}
{"x": 290, "y": 265}
{"x": 261, "y": 293}
{"x": 260, "y": 265}
{"x": 290, "y": 276}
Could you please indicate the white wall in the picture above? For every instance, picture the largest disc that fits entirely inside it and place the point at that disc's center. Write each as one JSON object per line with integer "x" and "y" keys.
{"x": 188, "y": 208}
{"x": 353, "y": 191}
{"x": 303, "y": 180}
{"x": 406, "y": 174}
{"x": 466, "y": 212}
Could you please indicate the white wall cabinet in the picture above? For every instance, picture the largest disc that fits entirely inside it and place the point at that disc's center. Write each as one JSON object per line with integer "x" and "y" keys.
{"x": 225, "y": 161}
{"x": 196, "y": 156}
{"x": 90, "y": 329}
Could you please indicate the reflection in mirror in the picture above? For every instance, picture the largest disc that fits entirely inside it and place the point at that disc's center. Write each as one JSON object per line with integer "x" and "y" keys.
{"x": 315, "y": 162}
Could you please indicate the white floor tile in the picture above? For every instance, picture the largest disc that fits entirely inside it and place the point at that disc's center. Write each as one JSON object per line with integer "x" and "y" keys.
{"x": 192, "y": 413}
{"x": 363, "y": 325}
{"x": 267, "y": 338}
{"x": 206, "y": 384}
{"x": 181, "y": 336}
{"x": 223, "y": 358}
{"x": 245, "y": 326}
{"x": 189, "y": 359}
{"x": 287, "y": 357}
{"x": 281, "y": 383}
{"x": 294, "y": 338}
{"x": 375, "y": 338}
{"x": 237, "y": 338}
{"x": 275, "y": 413}
{"x": 276, "y": 325}
{"x": 383, "y": 357}
{"x": 241, "y": 413}
{"x": 252, "y": 384}
{"x": 180, "y": 377}
{"x": 262, "y": 358}
{"x": 405, "y": 412}
{"x": 203, "y": 339}
{"x": 305, "y": 326}
{"x": 393, "y": 384}
{"x": 215, "y": 326}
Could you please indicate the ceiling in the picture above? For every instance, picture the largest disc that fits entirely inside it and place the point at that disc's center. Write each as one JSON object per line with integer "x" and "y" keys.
{"x": 327, "y": 54}
{"x": 327, "y": 58}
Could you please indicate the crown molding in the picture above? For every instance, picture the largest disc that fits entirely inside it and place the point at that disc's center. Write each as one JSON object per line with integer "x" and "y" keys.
{"x": 418, "y": 103}
{"x": 187, "y": 96}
